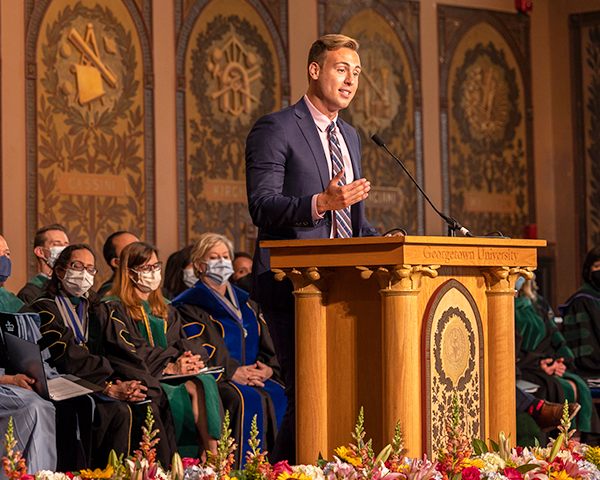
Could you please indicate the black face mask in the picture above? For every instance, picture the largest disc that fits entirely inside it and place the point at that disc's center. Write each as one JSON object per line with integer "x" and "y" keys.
{"x": 244, "y": 282}
{"x": 595, "y": 279}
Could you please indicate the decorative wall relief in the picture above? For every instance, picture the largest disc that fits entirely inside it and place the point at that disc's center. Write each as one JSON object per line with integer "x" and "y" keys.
{"x": 232, "y": 69}
{"x": 486, "y": 119}
{"x": 388, "y": 102}
{"x": 90, "y": 120}
{"x": 454, "y": 364}
{"x": 585, "y": 58}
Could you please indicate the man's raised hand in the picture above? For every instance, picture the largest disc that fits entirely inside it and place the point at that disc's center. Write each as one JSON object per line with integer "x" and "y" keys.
{"x": 336, "y": 197}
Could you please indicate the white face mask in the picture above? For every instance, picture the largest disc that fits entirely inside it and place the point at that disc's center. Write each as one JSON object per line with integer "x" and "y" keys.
{"x": 54, "y": 254}
{"x": 218, "y": 271}
{"x": 148, "y": 281}
{"x": 189, "y": 277}
{"x": 77, "y": 283}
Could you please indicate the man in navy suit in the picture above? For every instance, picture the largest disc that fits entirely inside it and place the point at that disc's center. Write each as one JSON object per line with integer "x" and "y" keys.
{"x": 304, "y": 180}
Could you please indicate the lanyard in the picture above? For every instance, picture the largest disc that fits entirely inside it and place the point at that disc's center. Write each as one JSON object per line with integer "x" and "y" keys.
{"x": 147, "y": 325}
{"x": 77, "y": 324}
{"x": 227, "y": 303}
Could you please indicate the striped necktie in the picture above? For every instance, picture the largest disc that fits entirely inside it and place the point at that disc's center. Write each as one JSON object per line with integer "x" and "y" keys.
{"x": 342, "y": 217}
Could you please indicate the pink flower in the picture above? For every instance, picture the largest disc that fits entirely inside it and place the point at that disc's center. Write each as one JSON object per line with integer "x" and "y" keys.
{"x": 27, "y": 477}
{"x": 470, "y": 473}
{"x": 282, "y": 467}
{"x": 189, "y": 462}
{"x": 512, "y": 474}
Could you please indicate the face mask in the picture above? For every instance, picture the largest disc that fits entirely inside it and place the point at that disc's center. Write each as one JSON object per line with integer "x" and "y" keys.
{"x": 244, "y": 282}
{"x": 189, "y": 277}
{"x": 54, "y": 254}
{"x": 77, "y": 283}
{"x": 5, "y": 266}
{"x": 595, "y": 278}
{"x": 519, "y": 283}
{"x": 219, "y": 271}
{"x": 148, "y": 281}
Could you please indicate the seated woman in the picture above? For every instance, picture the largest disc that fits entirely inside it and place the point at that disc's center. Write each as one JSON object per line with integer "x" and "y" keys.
{"x": 179, "y": 273}
{"x": 581, "y": 318}
{"x": 134, "y": 314}
{"x": 545, "y": 359}
{"x": 237, "y": 339}
{"x": 63, "y": 308}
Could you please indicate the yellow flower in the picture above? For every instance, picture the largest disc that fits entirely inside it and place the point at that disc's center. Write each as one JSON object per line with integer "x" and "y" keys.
{"x": 562, "y": 475}
{"x": 593, "y": 455}
{"x": 294, "y": 476}
{"x": 348, "y": 455}
{"x": 473, "y": 462}
{"x": 101, "y": 474}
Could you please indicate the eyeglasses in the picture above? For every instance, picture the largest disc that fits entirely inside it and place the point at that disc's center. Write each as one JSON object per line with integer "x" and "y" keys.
{"x": 80, "y": 267}
{"x": 148, "y": 268}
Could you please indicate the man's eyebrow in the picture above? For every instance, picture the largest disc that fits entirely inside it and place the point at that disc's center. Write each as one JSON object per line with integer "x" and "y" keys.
{"x": 348, "y": 65}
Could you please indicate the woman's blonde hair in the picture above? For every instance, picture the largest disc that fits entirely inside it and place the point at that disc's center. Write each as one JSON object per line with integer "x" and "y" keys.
{"x": 205, "y": 242}
{"x": 135, "y": 255}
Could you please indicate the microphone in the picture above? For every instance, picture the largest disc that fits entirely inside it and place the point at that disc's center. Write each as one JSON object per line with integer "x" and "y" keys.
{"x": 453, "y": 225}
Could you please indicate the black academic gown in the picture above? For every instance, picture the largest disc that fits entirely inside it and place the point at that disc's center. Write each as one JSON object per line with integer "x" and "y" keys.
{"x": 118, "y": 424}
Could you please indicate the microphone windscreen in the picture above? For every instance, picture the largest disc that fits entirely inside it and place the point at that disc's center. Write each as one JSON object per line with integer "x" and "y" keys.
{"x": 378, "y": 140}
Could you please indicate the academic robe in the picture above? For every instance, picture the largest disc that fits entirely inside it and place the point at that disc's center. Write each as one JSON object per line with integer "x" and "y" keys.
{"x": 541, "y": 339}
{"x": 117, "y": 424}
{"x": 581, "y": 328}
{"x": 232, "y": 342}
{"x": 32, "y": 288}
{"x": 130, "y": 343}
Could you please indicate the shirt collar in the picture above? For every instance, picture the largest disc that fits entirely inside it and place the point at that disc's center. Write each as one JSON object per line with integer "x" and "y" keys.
{"x": 321, "y": 120}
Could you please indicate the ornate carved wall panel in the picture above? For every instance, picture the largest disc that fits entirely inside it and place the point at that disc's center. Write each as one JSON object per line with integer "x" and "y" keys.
{"x": 454, "y": 364}
{"x": 232, "y": 69}
{"x": 90, "y": 129}
{"x": 585, "y": 58}
{"x": 388, "y": 102}
{"x": 486, "y": 119}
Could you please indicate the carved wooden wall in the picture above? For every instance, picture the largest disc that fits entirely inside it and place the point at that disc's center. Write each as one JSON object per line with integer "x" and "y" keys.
{"x": 486, "y": 119}
{"x": 585, "y": 58}
{"x": 231, "y": 69}
{"x": 90, "y": 128}
{"x": 388, "y": 102}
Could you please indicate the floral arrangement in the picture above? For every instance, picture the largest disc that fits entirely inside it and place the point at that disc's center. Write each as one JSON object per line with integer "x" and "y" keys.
{"x": 562, "y": 459}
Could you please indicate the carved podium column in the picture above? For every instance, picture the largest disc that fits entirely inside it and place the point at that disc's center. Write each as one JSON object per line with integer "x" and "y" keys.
{"x": 311, "y": 380}
{"x": 500, "y": 291}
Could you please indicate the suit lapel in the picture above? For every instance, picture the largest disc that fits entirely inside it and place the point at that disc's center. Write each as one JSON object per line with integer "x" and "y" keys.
{"x": 309, "y": 130}
{"x": 353, "y": 148}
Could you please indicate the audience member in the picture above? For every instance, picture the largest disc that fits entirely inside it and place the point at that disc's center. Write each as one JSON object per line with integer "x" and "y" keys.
{"x": 179, "y": 273}
{"x": 113, "y": 246}
{"x": 48, "y": 242}
{"x": 581, "y": 318}
{"x": 63, "y": 309}
{"x": 136, "y": 304}
{"x": 545, "y": 359}
{"x": 9, "y": 302}
{"x": 240, "y": 338}
{"x": 242, "y": 271}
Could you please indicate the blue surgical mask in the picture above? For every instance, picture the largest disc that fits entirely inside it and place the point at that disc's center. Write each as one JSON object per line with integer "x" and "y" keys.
{"x": 219, "y": 271}
{"x": 519, "y": 283}
{"x": 5, "y": 267}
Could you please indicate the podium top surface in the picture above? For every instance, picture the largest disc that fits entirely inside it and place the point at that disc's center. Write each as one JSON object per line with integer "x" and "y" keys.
{"x": 415, "y": 250}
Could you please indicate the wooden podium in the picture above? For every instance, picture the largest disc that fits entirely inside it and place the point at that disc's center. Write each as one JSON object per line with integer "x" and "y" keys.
{"x": 399, "y": 325}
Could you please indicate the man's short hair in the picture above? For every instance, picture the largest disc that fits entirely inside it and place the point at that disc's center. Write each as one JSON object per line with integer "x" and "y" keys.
{"x": 237, "y": 255}
{"x": 109, "y": 250}
{"x": 328, "y": 43}
{"x": 40, "y": 236}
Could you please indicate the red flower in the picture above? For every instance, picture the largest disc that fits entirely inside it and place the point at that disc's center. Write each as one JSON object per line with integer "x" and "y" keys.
{"x": 470, "y": 473}
{"x": 519, "y": 450}
{"x": 189, "y": 462}
{"x": 512, "y": 474}
{"x": 70, "y": 475}
{"x": 281, "y": 467}
{"x": 27, "y": 477}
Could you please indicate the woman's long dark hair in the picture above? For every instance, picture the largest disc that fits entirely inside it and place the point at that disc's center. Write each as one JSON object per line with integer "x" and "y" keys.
{"x": 52, "y": 287}
{"x": 592, "y": 257}
{"x": 173, "y": 283}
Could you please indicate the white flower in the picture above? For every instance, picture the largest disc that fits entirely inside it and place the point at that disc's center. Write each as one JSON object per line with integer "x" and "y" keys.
{"x": 49, "y": 475}
{"x": 493, "y": 461}
{"x": 311, "y": 471}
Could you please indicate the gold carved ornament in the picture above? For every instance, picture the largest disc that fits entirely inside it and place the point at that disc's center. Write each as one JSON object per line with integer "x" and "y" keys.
{"x": 403, "y": 278}
{"x": 310, "y": 280}
{"x": 502, "y": 279}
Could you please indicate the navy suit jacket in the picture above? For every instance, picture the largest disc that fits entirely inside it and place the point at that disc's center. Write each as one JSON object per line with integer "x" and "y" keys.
{"x": 285, "y": 167}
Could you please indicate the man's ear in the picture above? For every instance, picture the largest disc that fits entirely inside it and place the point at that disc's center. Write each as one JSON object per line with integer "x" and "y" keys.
{"x": 114, "y": 262}
{"x": 314, "y": 70}
{"x": 39, "y": 252}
